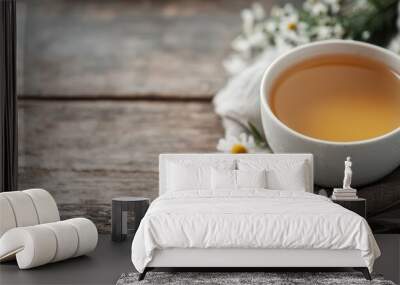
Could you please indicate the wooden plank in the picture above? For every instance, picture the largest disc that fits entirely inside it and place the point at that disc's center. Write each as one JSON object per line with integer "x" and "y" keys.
{"x": 86, "y": 152}
{"x": 125, "y": 49}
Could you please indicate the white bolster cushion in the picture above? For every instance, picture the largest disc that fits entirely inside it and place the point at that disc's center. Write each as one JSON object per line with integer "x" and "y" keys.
{"x": 67, "y": 240}
{"x": 87, "y": 234}
{"x": 23, "y": 208}
{"x": 7, "y": 219}
{"x": 46, "y": 207}
{"x": 40, "y": 244}
{"x": 33, "y": 246}
{"x": 26, "y": 208}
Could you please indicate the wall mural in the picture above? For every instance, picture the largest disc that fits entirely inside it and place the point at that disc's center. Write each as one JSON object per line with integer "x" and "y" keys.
{"x": 106, "y": 87}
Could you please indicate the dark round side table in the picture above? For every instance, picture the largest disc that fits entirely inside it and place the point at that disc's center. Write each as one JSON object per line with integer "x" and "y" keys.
{"x": 127, "y": 210}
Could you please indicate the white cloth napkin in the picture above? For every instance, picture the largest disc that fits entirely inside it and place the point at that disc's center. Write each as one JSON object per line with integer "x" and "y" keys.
{"x": 239, "y": 100}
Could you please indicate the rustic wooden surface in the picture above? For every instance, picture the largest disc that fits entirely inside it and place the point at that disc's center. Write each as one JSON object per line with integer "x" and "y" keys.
{"x": 127, "y": 48}
{"x": 105, "y": 86}
{"x": 87, "y": 152}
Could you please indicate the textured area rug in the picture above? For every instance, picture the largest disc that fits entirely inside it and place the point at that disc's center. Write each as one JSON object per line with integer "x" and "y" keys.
{"x": 273, "y": 278}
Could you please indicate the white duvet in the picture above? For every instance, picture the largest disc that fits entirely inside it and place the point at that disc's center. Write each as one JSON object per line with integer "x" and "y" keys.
{"x": 250, "y": 219}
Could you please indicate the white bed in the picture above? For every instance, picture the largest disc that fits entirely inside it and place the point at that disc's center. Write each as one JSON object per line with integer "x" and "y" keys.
{"x": 248, "y": 227}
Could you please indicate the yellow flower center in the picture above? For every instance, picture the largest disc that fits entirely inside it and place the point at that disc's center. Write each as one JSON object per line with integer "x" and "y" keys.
{"x": 292, "y": 26}
{"x": 238, "y": 148}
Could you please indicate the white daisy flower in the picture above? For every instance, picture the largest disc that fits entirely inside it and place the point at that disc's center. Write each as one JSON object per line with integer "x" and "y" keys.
{"x": 319, "y": 8}
{"x": 293, "y": 31}
{"x": 258, "y": 11}
{"x": 289, "y": 24}
{"x": 258, "y": 40}
{"x": 242, "y": 45}
{"x": 271, "y": 27}
{"x": 248, "y": 21}
{"x": 316, "y": 8}
{"x": 324, "y": 32}
{"x": 276, "y": 12}
{"x": 289, "y": 9}
{"x": 365, "y": 35}
{"x": 338, "y": 31}
{"x": 242, "y": 144}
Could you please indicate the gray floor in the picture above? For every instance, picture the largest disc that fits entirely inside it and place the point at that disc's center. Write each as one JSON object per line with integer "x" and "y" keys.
{"x": 103, "y": 266}
{"x": 111, "y": 259}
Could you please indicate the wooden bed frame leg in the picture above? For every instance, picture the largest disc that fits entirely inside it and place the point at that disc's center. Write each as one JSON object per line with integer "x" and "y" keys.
{"x": 364, "y": 271}
{"x": 143, "y": 274}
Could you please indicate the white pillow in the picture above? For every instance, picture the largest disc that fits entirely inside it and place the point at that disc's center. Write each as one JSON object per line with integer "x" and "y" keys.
{"x": 281, "y": 174}
{"x": 292, "y": 179}
{"x": 251, "y": 178}
{"x": 224, "y": 179}
{"x": 191, "y": 177}
{"x": 193, "y": 174}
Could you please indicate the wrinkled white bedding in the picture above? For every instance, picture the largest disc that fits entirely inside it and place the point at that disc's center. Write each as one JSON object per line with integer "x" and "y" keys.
{"x": 253, "y": 218}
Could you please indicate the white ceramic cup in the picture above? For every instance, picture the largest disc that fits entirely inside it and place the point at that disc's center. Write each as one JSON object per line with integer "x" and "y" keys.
{"x": 372, "y": 159}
